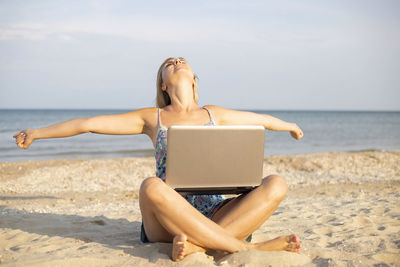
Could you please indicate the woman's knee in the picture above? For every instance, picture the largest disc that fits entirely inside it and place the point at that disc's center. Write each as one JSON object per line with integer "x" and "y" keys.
{"x": 151, "y": 189}
{"x": 276, "y": 186}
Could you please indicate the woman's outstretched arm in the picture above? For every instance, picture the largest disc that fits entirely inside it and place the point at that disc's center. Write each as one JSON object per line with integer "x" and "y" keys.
{"x": 225, "y": 116}
{"x": 127, "y": 123}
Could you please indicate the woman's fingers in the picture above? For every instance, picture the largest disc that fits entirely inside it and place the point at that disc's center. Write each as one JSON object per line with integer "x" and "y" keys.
{"x": 300, "y": 133}
{"x": 20, "y": 142}
{"x": 20, "y": 139}
{"x": 297, "y": 134}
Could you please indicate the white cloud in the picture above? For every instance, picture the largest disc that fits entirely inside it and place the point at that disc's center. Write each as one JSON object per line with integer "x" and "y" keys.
{"x": 161, "y": 30}
{"x": 138, "y": 28}
{"x": 27, "y": 31}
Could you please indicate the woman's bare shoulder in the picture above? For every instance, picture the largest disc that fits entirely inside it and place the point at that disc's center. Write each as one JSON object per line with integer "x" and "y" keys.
{"x": 219, "y": 113}
{"x": 142, "y": 112}
{"x": 145, "y": 116}
{"x": 215, "y": 108}
{"x": 225, "y": 116}
{"x": 218, "y": 110}
{"x": 148, "y": 114}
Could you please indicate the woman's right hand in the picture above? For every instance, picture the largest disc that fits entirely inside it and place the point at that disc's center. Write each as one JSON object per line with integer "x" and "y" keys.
{"x": 24, "y": 138}
{"x": 296, "y": 132}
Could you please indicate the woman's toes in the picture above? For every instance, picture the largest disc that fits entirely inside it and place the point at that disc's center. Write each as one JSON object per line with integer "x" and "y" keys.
{"x": 293, "y": 243}
{"x": 291, "y": 247}
{"x": 293, "y": 238}
{"x": 178, "y": 247}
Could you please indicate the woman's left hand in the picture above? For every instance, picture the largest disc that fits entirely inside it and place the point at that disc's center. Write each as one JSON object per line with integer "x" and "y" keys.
{"x": 296, "y": 133}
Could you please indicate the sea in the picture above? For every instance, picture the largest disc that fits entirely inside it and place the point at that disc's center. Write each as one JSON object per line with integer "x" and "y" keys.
{"x": 324, "y": 131}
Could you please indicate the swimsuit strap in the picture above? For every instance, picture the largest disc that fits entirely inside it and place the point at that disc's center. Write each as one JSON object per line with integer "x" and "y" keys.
{"x": 159, "y": 119}
{"x": 211, "y": 116}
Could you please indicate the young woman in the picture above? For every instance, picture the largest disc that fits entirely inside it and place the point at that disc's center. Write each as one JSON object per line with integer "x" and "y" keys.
{"x": 192, "y": 223}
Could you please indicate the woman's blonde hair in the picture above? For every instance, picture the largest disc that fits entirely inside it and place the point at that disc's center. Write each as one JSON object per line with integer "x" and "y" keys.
{"x": 163, "y": 99}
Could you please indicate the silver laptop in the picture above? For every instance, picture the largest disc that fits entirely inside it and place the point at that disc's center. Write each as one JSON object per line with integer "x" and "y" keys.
{"x": 215, "y": 159}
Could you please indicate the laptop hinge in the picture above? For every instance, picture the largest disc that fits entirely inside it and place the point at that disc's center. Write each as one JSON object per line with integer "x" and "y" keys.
{"x": 215, "y": 191}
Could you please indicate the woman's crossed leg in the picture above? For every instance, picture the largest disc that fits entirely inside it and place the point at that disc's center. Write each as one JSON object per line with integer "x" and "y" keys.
{"x": 167, "y": 217}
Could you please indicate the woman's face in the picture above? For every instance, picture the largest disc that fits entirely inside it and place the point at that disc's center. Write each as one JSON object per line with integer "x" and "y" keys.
{"x": 175, "y": 69}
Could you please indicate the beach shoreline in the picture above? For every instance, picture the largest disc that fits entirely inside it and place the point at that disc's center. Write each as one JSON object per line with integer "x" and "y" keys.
{"x": 85, "y": 212}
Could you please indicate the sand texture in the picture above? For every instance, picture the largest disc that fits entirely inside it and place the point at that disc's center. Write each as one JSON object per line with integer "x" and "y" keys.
{"x": 345, "y": 207}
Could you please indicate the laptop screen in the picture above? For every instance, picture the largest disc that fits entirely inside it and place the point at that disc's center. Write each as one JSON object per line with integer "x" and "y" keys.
{"x": 214, "y": 158}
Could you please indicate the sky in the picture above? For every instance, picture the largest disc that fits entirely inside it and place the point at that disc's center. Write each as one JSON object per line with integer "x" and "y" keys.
{"x": 270, "y": 55}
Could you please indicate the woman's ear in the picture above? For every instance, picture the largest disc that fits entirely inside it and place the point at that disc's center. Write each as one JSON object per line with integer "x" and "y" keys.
{"x": 164, "y": 87}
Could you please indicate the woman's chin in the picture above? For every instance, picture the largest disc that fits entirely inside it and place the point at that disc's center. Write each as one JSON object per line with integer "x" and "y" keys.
{"x": 182, "y": 72}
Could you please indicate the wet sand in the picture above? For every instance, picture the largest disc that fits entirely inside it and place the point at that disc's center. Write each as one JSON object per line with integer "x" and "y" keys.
{"x": 344, "y": 206}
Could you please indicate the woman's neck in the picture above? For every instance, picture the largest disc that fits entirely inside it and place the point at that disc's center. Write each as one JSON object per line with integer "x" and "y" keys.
{"x": 182, "y": 105}
{"x": 182, "y": 98}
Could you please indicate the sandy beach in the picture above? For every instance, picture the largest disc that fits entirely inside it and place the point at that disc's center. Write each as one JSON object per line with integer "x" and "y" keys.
{"x": 343, "y": 206}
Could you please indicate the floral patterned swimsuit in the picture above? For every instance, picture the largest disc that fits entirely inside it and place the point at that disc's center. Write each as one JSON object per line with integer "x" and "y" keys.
{"x": 206, "y": 204}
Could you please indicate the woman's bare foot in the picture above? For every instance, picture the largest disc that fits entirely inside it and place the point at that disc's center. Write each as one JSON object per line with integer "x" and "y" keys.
{"x": 181, "y": 247}
{"x": 289, "y": 243}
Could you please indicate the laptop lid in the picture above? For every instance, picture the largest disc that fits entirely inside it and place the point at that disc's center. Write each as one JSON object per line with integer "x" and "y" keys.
{"x": 214, "y": 159}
